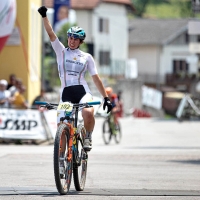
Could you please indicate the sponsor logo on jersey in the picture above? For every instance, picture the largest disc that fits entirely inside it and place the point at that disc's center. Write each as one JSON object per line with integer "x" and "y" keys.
{"x": 75, "y": 62}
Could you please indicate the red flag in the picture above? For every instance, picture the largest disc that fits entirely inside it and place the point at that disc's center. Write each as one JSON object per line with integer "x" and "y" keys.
{"x": 7, "y": 20}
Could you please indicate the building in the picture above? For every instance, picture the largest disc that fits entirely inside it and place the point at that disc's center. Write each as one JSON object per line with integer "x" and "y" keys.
{"x": 161, "y": 48}
{"x": 106, "y": 26}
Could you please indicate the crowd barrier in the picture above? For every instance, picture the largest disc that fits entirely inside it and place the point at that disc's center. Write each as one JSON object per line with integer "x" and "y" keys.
{"x": 27, "y": 124}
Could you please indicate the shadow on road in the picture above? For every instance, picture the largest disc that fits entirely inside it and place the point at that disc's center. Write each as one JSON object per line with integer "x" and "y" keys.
{"x": 194, "y": 162}
{"x": 9, "y": 191}
{"x": 161, "y": 147}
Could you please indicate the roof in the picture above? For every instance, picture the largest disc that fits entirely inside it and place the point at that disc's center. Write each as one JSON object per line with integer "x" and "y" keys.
{"x": 84, "y": 4}
{"x": 126, "y": 2}
{"x": 155, "y": 31}
{"x": 88, "y": 4}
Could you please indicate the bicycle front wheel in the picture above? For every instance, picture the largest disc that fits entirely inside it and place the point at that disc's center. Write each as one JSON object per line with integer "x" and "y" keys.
{"x": 62, "y": 167}
{"x": 107, "y": 134}
{"x": 80, "y": 160}
{"x": 117, "y": 133}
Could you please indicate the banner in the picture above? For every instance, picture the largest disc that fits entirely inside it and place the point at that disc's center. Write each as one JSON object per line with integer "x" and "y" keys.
{"x": 21, "y": 124}
{"x": 61, "y": 14}
{"x": 151, "y": 97}
{"x": 7, "y": 20}
{"x": 51, "y": 120}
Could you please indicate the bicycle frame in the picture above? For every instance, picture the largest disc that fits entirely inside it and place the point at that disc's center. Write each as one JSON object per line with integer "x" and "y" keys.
{"x": 72, "y": 123}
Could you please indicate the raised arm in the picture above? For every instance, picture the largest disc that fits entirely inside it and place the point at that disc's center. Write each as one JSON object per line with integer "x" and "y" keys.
{"x": 52, "y": 36}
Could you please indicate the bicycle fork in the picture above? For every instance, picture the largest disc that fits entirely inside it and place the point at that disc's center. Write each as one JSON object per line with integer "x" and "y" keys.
{"x": 71, "y": 134}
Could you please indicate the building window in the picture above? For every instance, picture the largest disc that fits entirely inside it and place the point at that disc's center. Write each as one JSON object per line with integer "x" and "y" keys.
{"x": 187, "y": 38}
{"x": 90, "y": 49}
{"x": 104, "y": 58}
{"x": 198, "y": 38}
{"x": 103, "y": 25}
{"x": 180, "y": 66}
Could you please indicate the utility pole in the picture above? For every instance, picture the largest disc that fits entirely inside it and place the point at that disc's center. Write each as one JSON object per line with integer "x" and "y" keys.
{"x": 43, "y": 55}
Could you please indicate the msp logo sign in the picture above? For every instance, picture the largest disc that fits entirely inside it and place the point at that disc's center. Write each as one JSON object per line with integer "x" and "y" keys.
{"x": 23, "y": 124}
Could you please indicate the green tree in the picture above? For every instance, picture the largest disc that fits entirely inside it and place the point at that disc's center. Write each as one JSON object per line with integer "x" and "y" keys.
{"x": 163, "y": 8}
{"x": 141, "y": 5}
{"x": 184, "y": 7}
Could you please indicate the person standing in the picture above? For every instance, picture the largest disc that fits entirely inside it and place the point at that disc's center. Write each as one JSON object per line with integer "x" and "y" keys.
{"x": 12, "y": 80}
{"x": 5, "y": 96}
{"x": 72, "y": 66}
{"x": 19, "y": 101}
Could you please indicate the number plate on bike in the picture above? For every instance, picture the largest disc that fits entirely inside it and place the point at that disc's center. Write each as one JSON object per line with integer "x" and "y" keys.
{"x": 65, "y": 106}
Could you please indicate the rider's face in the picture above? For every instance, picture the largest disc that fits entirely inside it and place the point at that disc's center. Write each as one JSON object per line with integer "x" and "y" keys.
{"x": 73, "y": 43}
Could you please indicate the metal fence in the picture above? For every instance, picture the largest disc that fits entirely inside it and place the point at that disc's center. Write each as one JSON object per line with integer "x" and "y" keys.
{"x": 116, "y": 68}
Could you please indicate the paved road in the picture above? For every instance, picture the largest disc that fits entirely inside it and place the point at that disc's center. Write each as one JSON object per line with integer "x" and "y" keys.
{"x": 156, "y": 159}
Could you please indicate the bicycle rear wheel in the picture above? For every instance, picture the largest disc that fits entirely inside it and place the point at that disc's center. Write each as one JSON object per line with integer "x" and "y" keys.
{"x": 62, "y": 168}
{"x": 107, "y": 134}
{"x": 80, "y": 161}
{"x": 117, "y": 133}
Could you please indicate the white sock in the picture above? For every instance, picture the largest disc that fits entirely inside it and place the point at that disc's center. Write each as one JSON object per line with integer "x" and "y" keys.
{"x": 89, "y": 135}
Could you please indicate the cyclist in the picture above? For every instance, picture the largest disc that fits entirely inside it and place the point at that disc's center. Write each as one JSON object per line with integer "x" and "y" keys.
{"x": 72, "y": 65}
{"x": 115, "y": 103}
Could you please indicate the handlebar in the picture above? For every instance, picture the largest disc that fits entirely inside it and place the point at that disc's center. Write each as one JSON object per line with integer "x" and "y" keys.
{"x": 43, "y": 103}
{"x": 94, "y": 103}
{"x": 40, "y": 102}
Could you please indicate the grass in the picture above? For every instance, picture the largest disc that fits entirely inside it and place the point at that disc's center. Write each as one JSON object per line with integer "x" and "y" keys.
{"x": 161, "y": 11}
{"x": 167, "y": 116}
{"x": 171, "y": 10}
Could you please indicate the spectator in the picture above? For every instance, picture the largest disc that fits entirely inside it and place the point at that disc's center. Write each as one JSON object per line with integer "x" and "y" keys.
{"x": 121, "y": 110}
{"x": 4, "y": 94}
{"x": 40, "y": 97}
{"x": 12, "y": 80}
{"x": 19, "y": 99}
{"x": 16, "y": 86}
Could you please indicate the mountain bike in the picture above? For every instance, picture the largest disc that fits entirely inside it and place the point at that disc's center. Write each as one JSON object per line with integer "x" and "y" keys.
{"x": 69, "y": 154}
{"x": 111, "y": 129}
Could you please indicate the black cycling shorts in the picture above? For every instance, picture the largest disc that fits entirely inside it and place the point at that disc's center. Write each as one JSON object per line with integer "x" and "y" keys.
{"x": 73, "y": 93}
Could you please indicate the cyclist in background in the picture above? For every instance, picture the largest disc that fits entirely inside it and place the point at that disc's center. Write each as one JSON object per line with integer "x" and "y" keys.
{"x": 115, "y": 103}
{"x": 72, "y": 66}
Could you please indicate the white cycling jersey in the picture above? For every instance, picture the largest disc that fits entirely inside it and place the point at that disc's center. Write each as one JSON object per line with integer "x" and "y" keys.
{"x": 72, "y": 65}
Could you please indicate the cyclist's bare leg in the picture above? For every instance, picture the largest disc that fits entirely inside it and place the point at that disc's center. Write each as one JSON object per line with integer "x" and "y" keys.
{"x": 114, "y": 113}
{"x": 88, "y": 118}
{"x": 115, "y": 118}
{"x": 89, "y": 121}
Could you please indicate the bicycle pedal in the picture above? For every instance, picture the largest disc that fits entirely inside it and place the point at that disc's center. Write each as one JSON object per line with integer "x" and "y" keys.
{"x": 85, "y": 156}
{"x": 86, "y": 149}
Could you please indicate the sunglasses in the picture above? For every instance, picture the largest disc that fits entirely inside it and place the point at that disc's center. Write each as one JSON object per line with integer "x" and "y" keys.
{"x": 75, "y": 36}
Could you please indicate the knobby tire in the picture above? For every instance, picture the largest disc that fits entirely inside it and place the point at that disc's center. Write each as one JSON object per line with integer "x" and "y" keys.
{"x": 63, "y": 182}
{"x": 80, "y": 161}
{"x": 118, "y": 134}
{"x": 107, "y": 132}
